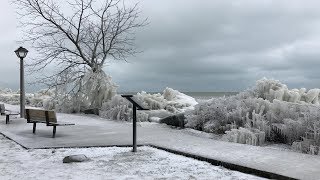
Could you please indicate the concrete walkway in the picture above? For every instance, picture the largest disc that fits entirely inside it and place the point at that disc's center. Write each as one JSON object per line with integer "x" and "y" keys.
{"x": 93, "y": 131}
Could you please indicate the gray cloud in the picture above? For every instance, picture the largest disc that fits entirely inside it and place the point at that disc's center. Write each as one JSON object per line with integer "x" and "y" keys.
{"x": 213, "y": 45}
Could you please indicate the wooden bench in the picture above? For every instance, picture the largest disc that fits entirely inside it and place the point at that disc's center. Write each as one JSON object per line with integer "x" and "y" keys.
{"x": 8, "y": 113}
{"x": 2, "y": 109}
{"x": 43, "y": 116}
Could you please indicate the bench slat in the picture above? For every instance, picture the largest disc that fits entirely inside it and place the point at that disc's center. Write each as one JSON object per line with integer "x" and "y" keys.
{"x": 2, "y": 108}
{"x": 40, "y": 115}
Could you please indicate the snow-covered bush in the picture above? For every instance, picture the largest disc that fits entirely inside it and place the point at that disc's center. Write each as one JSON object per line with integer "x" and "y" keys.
{"x": 273, "y": 89}
{"x": 210, "y": 116}
{"x": 11, "y": 97}
{"x": 160, "y": 105}
{"x": 310, "y": 141}
{"x": 270, "y": 108}
{"x": 98, "y": 88}
{"x": 90, "y": 91}
{"x": 119, "y": 108}
{"x": 245, "y": 136}
{"x": 218, "y": 114}
{"x": 93, "y": 89}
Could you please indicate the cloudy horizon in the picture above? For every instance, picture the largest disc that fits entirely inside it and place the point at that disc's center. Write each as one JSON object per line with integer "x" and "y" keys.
{"x": 207, "y": 46}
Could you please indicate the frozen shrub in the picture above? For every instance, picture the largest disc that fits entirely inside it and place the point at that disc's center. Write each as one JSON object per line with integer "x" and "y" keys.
{"x": 297, "y": 146}
{"x": 273, "y": 89}
{"x": 117, "y": 108}
{"x": 89, "y": 92}
{"x": 209, "y": 116}
{"x": 120, "y": 109}
{"x": 269, "y": 104}
{"x": 11, "y": 97}
{"x": 217, "y": 114}
{"x": 48, "y": 104}
{"x": 245, "y": 136}
{"x": 162, "y": 105}
{"x": 293, "y": 130}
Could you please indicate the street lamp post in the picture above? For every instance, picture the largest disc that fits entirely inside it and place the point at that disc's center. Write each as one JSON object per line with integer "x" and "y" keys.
{"x": 21, "y": 53}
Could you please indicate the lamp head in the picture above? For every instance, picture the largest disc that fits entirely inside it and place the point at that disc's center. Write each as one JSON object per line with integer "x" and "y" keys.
{"x": 21, "y": 52}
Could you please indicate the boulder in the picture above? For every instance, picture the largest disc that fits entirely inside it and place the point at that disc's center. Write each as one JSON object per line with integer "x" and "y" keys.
{"x": 91, "y": 111}
{"x": 174, "y": 120}
{"x": 75, "y": 158}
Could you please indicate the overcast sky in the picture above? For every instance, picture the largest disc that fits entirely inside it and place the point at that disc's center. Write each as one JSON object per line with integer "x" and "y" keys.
{"x": 207, "y": 45}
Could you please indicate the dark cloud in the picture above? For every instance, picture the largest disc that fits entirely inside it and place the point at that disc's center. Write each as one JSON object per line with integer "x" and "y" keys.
{"x": 213, "y": 45}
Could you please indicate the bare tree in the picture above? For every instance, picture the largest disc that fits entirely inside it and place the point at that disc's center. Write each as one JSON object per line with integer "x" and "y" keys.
{"x": 78, "y": 36}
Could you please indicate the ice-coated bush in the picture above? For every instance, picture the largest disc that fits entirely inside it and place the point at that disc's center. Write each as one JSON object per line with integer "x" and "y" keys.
{"x": 89, "y": 92}
{"x": 249, "y": 136}
{"x": 273, "y": 89}
{"x": 117, "y": 108}
{"x": 217, "y": 114}
{"x": 161, "y": 105}
{"x": 11, "y": 97}
{"x": 209, "y": 116}
{"x": 269, "y": 107}
{"x": 310, "y": 141}
{"x": 120, "y": 109}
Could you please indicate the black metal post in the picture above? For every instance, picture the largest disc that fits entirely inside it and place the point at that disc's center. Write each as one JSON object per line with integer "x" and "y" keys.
{"x": 135, "y": 107}
{"x": 134, "y": 123}
{"x": 22, "y": 92}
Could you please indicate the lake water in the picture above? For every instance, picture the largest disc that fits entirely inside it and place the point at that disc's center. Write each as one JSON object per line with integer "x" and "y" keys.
{"x": 208, "y": 95}
{"x": 198, "y": 95}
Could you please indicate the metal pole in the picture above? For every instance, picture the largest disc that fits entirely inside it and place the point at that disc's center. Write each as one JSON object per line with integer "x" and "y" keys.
{"x": 134, "y": 123}
{"x": 22, "y": 93}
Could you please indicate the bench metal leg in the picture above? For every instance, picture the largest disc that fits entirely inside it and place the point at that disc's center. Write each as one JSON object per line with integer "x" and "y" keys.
{"x": 34, "y": 127}
{"x": 7, "y": 119}
{"x": 54, "y": 131}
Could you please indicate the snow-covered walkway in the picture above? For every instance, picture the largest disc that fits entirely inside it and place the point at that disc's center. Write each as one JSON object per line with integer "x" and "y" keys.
{"x": 94, "y": 131}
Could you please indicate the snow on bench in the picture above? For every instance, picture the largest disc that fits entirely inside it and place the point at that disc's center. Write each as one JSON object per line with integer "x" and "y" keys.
{"x": 6, "y": 112}
{"x": 43, "y": 116}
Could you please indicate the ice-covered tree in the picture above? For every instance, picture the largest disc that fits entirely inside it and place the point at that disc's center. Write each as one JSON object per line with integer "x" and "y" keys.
{"x": 78, "y": 38}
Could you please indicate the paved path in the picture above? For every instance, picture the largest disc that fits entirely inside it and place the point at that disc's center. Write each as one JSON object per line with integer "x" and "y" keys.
{"x": 94, "y": 131}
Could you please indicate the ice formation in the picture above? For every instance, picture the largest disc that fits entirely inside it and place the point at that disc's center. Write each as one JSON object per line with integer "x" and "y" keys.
{"x": 95, "y": 89}
{"x": 273, "y": 89}
{"x": 269, "y": 111}
{"x": 246, "y": 136}
{"x": 161, "y": 105}
{"x": 92, "y": 90}
{"x": 32, "y": 99}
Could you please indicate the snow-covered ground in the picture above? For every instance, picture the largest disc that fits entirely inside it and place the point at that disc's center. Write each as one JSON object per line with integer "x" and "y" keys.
{"x": 93, "y": 130}
{"x": 106, "y": 163}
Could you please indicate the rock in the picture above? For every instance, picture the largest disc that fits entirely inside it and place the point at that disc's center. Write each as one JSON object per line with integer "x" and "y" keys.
{"x": 92, "y": 111}
{"x": 75, "y": 158}
{"x": 175, "y": 120}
